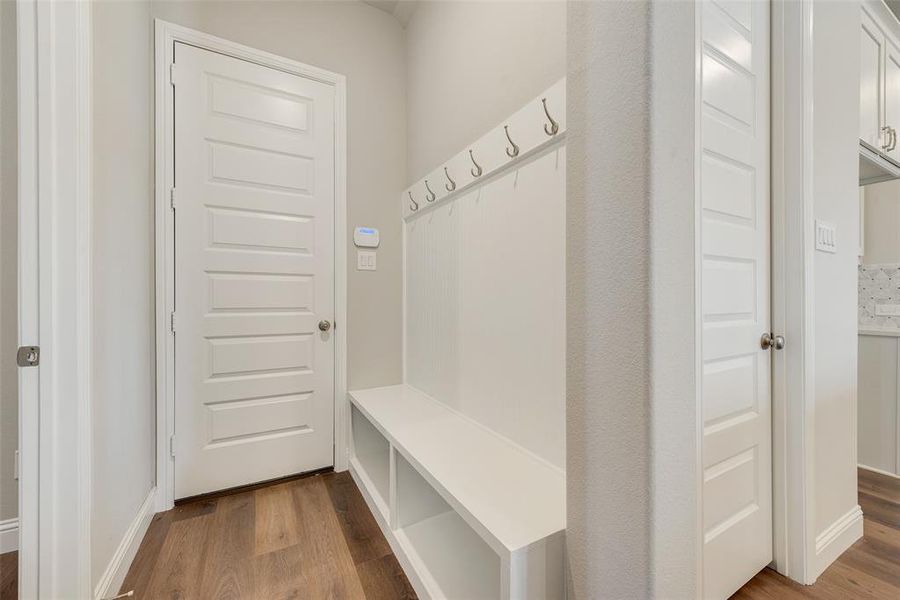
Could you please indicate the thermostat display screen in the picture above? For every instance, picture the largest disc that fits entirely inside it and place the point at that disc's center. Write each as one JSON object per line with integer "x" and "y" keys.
{"x": 365, "y": 237}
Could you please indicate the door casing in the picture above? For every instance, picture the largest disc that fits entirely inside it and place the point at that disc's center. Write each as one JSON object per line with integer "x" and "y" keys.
{"x": 54, "y": 58}
{"x": 793, "y": 222}
{"x": 166, "y": 35}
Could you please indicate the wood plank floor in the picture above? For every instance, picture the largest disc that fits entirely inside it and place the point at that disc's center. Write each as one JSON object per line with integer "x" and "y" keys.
{"x": 315, "y": 538}
{"x": 309, "y": 538}
{"x": 869, "y": 570}
{"x": 9, "y": 576}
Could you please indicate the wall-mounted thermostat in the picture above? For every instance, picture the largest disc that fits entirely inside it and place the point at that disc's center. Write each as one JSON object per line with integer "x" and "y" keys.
{"x": 365, "y": 237}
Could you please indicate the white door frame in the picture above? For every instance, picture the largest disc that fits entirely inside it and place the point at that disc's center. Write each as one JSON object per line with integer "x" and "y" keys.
{"x": 54, "y": 149}
{"x": 793, "y": 221}
{"x": 166, "y": 36}
{"x": 793, "y": 393}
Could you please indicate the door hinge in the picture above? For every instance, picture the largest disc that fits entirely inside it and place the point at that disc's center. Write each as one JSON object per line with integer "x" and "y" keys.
{"x": 172, "y": 321}
{"x": 172, "y": 446}
{"x": 28, "y": 356}
{"x": 172, "y": 198}
{"x": 172, "y": 73}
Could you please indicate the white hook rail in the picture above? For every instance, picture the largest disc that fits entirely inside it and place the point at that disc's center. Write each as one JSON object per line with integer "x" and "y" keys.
{"x": 538, "y": 124}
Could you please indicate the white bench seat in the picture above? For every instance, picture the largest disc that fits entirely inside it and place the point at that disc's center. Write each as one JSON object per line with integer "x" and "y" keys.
{"x": 513, "y": 500}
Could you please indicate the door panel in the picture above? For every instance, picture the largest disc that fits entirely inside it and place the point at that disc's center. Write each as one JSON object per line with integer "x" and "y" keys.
{"x": 870, "y": 92}
{"x": 892, "y": 95}
{"x": 254, "y": 173}
{"x": 736, "y": 396}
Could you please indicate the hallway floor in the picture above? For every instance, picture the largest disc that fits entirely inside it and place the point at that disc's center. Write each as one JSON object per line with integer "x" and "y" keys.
{"x": 869, "y": 570}
{"x": 312, "y": 537}
{"x": 9, "y": 575}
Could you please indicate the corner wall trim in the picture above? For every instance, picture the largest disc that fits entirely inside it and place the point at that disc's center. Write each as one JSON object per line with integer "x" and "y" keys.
{"x": 115, "y": 572}
{"x": 837, "y": 537}
{"x": 9, "y": 535}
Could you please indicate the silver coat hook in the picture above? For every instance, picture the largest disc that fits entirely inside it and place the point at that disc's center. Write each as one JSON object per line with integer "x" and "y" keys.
{"x": 477, "y": 171}
{"x": 449, "y": 186}
{"x": 430, "y": 196}
{"x": 514, "y": 151}
{"x": 552, "y": 128}
{"x": 415, "y": 205}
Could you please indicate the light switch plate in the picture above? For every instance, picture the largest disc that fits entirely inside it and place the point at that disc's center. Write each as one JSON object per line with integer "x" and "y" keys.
{"x": 365, "y": 261}
{"x": 826, "y": 237}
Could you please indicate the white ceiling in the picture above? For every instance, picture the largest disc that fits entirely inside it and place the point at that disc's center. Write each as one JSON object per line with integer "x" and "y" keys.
{"x": 401, "y": 9}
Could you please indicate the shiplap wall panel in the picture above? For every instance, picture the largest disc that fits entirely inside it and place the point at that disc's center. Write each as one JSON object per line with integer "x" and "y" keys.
{"x": 878, "y": 402}
{"x": 485, "y": 309}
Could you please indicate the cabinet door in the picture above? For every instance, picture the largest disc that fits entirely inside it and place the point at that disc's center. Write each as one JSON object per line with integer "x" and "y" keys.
{"x": 871, "y": 93}
{"x": 892, "y": 96}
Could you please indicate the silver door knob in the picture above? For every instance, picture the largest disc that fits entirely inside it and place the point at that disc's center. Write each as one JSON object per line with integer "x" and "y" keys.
{"x": 768, "y": 341}
{"x": 324, "y": 325}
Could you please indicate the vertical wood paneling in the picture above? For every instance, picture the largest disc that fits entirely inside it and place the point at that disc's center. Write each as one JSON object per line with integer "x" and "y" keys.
{"x": 433, "y": 303}
{"x": 879, "y": 402}
{"x": 486, "y": 304}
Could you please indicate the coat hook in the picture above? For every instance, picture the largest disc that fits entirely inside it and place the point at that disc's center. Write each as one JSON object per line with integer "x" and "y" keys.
{"x": 430, "y": 196}
{"x": 514, "y": 151}
{"x": 415, "y": 205}
{"x": 477, "y": 171}
{"x": 449, "y": 186}
{"x": 552, "y": 128}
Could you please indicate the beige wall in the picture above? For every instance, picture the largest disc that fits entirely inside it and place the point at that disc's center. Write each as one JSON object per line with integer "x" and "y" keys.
{"x": 351, "y": 38}
{"x": 9, "y": 399}
{"x": 835, "y": 189}
{"x": 124, "y": 467}
{"x": 882, "y": 223}
{"x": 471, "y": 64}
{"x": 631, "y": 412}
{"x": 367, "y": 46}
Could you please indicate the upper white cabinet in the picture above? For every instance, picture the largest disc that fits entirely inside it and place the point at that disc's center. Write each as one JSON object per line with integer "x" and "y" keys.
{"x": 879, "y": 94}
{"x": 871, "y": 83}
{"x": 891, "y": 97}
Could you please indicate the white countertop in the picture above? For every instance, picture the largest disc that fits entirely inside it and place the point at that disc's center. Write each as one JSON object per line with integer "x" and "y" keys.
{"x": 882, "y": 332}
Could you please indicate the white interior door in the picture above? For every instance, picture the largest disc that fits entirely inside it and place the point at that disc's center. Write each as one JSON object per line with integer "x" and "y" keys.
{"x": 735, "y": 232}
{"x": 254, "y": 273}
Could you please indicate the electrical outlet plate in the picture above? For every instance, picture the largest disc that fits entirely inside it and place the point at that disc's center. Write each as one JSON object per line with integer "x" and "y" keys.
{"x": 887, "y": 310}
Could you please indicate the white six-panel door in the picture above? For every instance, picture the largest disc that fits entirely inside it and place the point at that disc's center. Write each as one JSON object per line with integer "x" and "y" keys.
{"x": 735, "y": 230}
{"x": 254, "y": 272}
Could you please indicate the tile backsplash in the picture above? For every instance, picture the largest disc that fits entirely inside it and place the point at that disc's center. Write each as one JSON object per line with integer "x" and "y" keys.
{"x": 878, "y": 284}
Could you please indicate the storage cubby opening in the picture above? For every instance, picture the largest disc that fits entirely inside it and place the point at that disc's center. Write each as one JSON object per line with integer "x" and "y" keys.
{"x": 372, "y": 454}
{"x": 458, "y": 563}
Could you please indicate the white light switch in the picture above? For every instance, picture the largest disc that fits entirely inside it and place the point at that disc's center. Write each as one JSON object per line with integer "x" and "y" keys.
{"x": 826, "y": 237}
{"x": 365, "y": 261}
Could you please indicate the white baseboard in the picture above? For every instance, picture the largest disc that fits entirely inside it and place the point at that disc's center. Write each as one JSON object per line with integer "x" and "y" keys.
{"x": 837, "y": 537}
{"x": 118, "y": 566}
{"x": 9, "y": 535}
{"x": 879, "y": 471}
